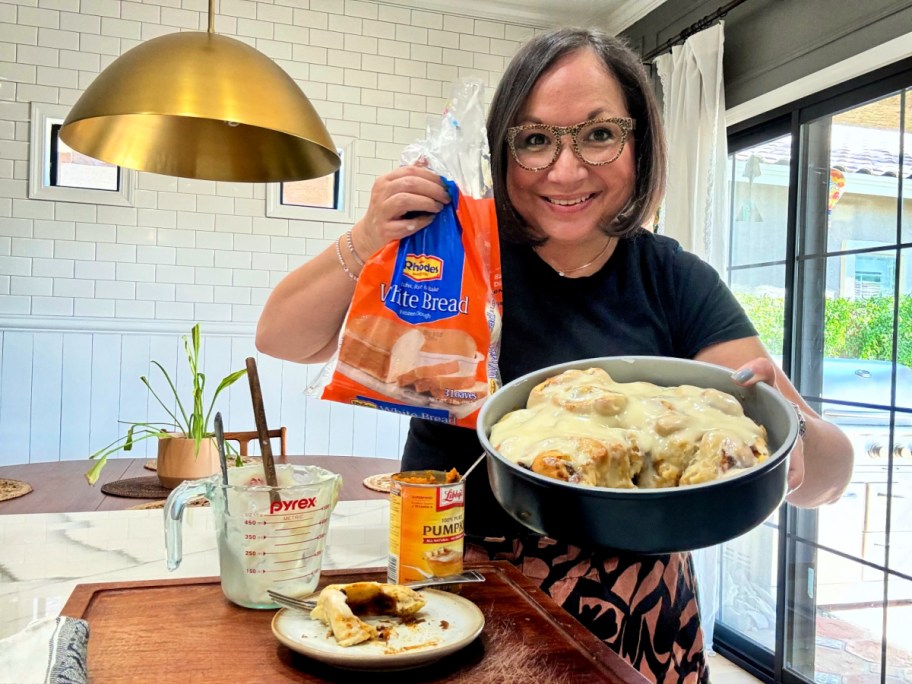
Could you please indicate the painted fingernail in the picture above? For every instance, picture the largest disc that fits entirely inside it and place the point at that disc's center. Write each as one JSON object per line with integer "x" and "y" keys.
{"x": 411, "y": 227}
{"x": 743, "y": 375}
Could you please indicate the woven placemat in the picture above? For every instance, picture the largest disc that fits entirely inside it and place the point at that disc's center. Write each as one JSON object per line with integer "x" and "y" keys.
{"x": 13, "y": 489}
{"x": 147, "y": 487}
{"x": 378, "y": 483}
{"x": 195, "y": 503}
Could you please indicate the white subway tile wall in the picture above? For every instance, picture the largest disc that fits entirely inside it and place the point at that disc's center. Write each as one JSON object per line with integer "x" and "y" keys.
{"x": 90, "y": 293}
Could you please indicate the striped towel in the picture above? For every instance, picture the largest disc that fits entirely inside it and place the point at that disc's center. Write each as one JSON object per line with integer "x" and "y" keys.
{"x": 49, "y": 651}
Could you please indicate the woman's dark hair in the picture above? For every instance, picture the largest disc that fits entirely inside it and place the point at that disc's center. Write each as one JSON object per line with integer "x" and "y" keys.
{"x": 535, "y": 58}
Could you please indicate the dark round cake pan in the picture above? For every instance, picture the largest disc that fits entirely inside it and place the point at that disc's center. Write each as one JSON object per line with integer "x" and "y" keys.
{"x": 646, "y": 520}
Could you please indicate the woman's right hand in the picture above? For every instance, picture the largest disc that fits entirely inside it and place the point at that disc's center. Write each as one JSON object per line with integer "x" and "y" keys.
{"x": 316, "y": 287}
{"x": 393, "y": 196}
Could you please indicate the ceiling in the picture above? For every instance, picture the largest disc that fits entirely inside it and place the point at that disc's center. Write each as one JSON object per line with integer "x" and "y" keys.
{"x": 612, "y": 15}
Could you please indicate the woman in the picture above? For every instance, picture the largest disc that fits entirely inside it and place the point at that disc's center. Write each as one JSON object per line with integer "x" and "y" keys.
{"x": 578, "y": 161}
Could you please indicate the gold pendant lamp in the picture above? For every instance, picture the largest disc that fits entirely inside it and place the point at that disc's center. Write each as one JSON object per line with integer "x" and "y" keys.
{"x": 200, "y": 105}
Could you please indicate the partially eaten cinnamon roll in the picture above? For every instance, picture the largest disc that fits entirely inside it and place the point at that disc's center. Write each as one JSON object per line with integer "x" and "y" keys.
{"x": 339, "y": 606}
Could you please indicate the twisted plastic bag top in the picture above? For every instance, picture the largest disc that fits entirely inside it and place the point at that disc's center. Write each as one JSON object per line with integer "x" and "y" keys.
{"x": 456, "y": 144}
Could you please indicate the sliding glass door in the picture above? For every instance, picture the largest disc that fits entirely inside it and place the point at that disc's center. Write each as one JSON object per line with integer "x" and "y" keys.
{"x": 821, "y": 259}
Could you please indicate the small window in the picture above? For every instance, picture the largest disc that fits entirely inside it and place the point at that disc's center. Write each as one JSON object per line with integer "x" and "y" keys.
{"x": 71, "y": 169}
{"x": 61, "y": 174}
{"x": 330, "y": 198}
{"x": 317, "y": 193}
{"x": 867, "y": 284}
{"x": 871, "y": 274}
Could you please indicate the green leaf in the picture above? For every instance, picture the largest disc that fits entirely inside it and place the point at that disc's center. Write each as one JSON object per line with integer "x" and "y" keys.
{"x": 190, "y": 360}
{"x": 226, "y": 382}
{"x": 177, "y": 422}
{"x": 174, "y": 392}
{"x": 102, "y": 454}
{"x": 95, "y": 471}
{"x": 195, "y": 332}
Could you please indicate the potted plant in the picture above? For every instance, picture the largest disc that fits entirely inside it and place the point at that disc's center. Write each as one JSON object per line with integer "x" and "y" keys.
{"x": 186, "y": 449}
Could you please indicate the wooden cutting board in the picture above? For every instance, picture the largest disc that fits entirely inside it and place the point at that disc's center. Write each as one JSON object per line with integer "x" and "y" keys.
{"x": 186, "y": 631}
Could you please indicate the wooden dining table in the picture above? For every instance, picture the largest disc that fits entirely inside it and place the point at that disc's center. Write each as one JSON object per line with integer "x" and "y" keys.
{"x": 184, "y": 629}
{"x": 526, "y": 637}
{"x": 60, "y": 486}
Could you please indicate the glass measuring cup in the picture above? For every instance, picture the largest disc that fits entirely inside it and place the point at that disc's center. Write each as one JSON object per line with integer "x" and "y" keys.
{"x": 267, "y": 537}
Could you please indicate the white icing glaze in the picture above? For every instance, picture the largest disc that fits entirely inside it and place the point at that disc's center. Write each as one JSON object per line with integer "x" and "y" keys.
{"x": 634, "y": 434}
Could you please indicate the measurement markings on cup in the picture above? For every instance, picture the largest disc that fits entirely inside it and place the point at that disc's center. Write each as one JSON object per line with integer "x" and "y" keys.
{"x": 303, "y": 541}
{"x": 301, "y": 527}
{"x": 302, "y": 558}
{"x": 304, "y": 576}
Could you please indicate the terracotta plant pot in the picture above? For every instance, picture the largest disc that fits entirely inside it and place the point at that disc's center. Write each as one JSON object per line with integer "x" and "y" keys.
{"x": 177, "y": 463}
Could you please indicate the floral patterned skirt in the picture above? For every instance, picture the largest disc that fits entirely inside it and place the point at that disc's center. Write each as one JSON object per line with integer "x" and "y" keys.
{"x": 643, "y": 607}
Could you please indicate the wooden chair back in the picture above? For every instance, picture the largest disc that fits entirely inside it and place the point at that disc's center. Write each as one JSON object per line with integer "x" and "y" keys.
{"x": 244, "y": 438}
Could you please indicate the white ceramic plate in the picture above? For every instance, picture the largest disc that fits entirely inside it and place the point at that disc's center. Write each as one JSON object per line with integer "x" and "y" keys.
{"x": 447, "y": 623}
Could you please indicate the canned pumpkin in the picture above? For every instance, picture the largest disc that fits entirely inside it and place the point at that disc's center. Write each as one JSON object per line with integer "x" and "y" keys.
{"x": 427, "y": 525}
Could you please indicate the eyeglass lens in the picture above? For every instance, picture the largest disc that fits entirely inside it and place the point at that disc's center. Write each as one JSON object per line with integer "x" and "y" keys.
{"x": 596, "y": 143}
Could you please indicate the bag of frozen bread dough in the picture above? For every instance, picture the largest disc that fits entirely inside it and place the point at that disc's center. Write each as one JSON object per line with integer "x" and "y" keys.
{"x": 422, "y": 332}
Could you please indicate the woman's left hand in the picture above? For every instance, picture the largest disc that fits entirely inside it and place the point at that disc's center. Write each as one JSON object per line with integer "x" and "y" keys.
{"x": 763, "y": 370}
{"x": 820, "y": 466}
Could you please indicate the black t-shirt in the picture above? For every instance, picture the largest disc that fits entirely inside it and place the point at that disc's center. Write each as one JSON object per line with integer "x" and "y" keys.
{"x": 651, "y": 299}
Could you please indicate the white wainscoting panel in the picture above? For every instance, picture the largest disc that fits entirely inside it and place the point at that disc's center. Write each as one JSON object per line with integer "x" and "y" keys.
{"x": 47, "y": 392}
{"x": 75, "y": 404}
{"x": 68, "y": 387}
{"x": 16, "y": 394}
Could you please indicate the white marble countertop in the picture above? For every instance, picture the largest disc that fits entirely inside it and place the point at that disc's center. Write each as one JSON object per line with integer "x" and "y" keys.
{"x": 44, "y": 556}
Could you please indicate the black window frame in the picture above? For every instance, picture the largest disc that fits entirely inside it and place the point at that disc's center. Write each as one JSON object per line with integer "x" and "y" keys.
{"x": 789, "y": 119}
{"x": 54, "y": 164}
{"x": 337, "y": 190}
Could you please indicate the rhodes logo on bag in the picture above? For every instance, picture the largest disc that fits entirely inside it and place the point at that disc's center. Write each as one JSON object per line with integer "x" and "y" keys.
{"x": 421, "y": 267}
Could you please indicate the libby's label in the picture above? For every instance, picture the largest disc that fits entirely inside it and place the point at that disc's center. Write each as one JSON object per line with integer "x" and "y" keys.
{"x": 422, "y": 267}
{"x": 448, "y": 497}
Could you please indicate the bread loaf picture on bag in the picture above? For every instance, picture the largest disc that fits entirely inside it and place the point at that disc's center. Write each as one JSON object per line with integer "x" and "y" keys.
{"x": 381, "y": 347}
{"x": 440, "y": 365}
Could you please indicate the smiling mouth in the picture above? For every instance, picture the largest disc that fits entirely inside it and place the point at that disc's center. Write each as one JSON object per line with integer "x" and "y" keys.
{"x": 568, "y": 202}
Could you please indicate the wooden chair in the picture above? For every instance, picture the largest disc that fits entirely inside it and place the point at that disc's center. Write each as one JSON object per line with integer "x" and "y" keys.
{"x": 244, "y": 438}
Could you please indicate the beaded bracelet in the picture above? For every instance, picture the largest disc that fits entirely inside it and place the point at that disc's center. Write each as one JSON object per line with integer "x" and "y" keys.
{"x": 351, "y": 249}
{"x": 345, "y": 267}
{"x": 802, "y": 421}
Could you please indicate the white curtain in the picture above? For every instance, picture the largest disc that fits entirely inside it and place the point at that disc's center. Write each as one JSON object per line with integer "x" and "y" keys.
{"x": 696, "y": 203}
{"x": 695, "y": 209}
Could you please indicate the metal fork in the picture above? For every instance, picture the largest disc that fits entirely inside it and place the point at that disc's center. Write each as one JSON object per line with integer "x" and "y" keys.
{"x": 310, "y": 604}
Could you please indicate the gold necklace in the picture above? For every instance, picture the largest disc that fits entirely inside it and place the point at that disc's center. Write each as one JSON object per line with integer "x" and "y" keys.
{"x": 563, "y": 273}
